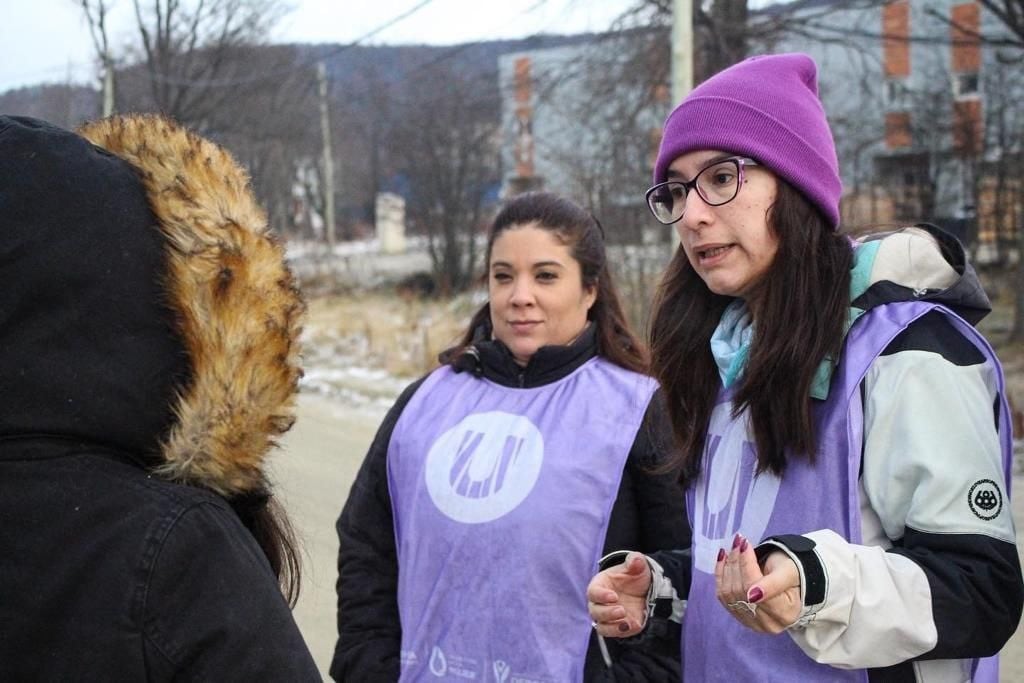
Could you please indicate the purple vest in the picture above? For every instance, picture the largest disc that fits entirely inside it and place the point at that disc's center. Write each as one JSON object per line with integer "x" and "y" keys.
{"x": 501, "y": 498}
{"x": 728, "y": 498}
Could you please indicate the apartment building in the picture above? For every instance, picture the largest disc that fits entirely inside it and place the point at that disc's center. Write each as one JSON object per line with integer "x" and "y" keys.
{"x": 926, "y": 114}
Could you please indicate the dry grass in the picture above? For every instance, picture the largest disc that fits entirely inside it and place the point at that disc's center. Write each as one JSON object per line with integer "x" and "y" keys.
{"x": 403, "y": 336}
{"x": 399, "y": 335}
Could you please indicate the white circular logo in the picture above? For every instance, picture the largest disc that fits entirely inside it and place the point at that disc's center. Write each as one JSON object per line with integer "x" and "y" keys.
{"x": 484, "y": 467}
{"x": 985, "y": 499}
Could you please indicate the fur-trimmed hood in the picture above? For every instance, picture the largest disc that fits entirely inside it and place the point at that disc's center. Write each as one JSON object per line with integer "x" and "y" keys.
{"x": 182, "y": 346}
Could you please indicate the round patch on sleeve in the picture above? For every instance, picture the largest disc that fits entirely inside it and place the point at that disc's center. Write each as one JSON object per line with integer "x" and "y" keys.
{"x": 985, "y": 499}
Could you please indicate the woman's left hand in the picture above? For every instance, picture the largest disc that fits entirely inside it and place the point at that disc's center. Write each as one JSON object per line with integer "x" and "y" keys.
{"x": 768, "y": 600}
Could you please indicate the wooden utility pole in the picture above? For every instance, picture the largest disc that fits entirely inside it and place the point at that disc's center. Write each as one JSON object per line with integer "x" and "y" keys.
{"x": 682, "y": 49}
{"x": 96, "y": 15}
{"x": 108, "y": 85}
{"x": 325, "y": 133}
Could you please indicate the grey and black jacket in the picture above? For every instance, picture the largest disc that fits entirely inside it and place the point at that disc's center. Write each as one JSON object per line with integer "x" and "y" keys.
{"x": 936, "y": 580}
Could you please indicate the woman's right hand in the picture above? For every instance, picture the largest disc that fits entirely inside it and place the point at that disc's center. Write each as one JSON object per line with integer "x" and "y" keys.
{"x": 617, "y": 598}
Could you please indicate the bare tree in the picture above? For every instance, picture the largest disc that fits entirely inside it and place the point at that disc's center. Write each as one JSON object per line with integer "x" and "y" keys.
{"x": 1010, "y": 13}
{"x": 854, "y": 119}
{"x": 202, "y": 62}
{"x": 190, "y": 51}
{"x": 271, "y": 127}
{"x": 445, "y": 140}
{"x": 364, "y": 152}
{"x": 725, "y": 30}
{"x": 1000, "y": 179}
{"x": 612, "y": 100}
{"x": 1010, "y": 128}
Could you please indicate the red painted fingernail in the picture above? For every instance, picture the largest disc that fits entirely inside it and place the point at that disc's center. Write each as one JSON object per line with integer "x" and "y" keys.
{"x": 736, "y": 541}
{"x": 721, "y": 554}
{"x": 755, "y": 594}
{"x": 744, "y": 546}
{"x": 623, "y": 627}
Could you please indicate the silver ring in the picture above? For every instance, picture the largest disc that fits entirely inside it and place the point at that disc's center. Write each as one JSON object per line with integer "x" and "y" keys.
{"x": 744, "y": 606}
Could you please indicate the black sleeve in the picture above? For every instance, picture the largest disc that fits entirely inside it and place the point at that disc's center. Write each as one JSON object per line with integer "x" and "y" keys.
{"x": 664, "y": 527}
{"x": 973, "y": 579}
{"x": 213, "y": 609}
{"x": 649, "y": 516}
{"x": 650, "y": 510}
{"x": 369, "y": 631}
{"x": 661, "y": 500}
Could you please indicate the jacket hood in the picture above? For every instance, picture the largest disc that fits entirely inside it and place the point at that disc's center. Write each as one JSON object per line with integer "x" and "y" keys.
{"x": 237, "y": 305}
{"x": 919, "y": 263}
{"x": 153, "y": 312}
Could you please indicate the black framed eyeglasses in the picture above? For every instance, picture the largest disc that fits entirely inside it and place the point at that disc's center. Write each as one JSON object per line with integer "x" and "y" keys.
{"x": 717, "y": 183}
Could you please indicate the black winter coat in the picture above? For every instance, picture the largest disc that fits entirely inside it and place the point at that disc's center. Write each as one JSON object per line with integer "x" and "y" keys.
{"x": 110, "y": 574}
{"x": 648, "y": 514}
{"x": 130, "y": 460}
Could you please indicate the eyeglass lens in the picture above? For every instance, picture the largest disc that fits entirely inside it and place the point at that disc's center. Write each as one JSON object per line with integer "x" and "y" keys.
{"x": 717, "y": 184}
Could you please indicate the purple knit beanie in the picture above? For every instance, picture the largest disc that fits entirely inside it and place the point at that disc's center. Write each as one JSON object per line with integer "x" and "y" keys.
{"x": 766, "y": 108}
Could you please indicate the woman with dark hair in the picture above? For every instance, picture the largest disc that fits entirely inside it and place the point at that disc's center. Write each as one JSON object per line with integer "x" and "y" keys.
{"x": 149, "y": 333}
{"x": 508, "y": 472}
{"x": 843, "y": 431}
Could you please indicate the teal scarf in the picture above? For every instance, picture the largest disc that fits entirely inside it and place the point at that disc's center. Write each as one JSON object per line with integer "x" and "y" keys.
{"x": 730, "y": 342}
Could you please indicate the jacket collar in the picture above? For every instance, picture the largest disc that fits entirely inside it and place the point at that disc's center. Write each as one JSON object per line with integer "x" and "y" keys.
{"x": 492, "y": 360}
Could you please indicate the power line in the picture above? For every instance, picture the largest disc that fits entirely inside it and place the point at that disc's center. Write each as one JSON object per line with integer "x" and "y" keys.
{"x": 229, "y": 82}
{"x": 309, "y": 63}
{"x": 256, "y": 78}
{"x": 465, "y": 46}
{"x": 457, "y": 49}
{"x": 448, "y": 54}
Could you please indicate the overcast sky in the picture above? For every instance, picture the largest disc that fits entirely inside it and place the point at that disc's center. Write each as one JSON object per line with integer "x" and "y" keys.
{"x": 45, "y": 41}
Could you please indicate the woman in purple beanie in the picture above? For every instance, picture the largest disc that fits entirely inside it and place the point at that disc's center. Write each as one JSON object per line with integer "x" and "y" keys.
{"x": 842, "y": 428}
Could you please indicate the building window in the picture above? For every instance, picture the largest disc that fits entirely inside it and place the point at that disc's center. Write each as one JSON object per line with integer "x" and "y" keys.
{"x": 965, "y": 85}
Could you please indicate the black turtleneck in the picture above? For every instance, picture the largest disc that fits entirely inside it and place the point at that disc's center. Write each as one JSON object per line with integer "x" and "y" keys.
{"x": 492, "y": 360}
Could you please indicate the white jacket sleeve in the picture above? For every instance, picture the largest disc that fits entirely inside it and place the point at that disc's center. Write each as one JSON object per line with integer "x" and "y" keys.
{"x": 938, "y": 560}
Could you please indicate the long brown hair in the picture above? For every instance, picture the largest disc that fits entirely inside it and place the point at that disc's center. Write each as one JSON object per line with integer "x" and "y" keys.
{"x": 274, "y": 532}
{"x": 580, "y": 231}
{"x": 266, "y": 519}
{"x": 800, "y": 322}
